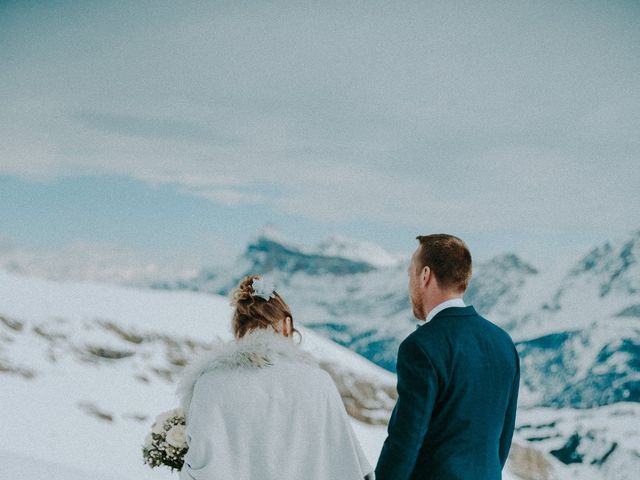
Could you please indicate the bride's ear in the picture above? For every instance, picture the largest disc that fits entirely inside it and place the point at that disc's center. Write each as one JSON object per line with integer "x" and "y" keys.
{"x": 286, "y": 327}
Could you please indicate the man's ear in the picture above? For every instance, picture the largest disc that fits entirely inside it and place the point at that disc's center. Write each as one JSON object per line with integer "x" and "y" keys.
{"x": 425, "y": 276}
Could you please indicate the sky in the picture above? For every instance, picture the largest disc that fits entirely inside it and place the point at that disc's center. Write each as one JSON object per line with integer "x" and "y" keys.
{"x": 175, "y": 131}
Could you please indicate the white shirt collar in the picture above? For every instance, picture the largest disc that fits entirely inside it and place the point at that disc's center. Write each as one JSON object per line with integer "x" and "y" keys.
{"x": 452, "y": 302}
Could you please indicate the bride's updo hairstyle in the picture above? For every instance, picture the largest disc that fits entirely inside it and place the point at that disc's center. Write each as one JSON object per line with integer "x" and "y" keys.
{"x": 253, "y": 311}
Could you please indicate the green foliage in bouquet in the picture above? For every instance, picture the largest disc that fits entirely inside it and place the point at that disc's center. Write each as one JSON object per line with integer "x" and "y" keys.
{"x": 166, "y": 444}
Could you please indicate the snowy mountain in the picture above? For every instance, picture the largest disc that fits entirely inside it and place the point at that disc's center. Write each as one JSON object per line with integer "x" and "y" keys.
{"x": 93, "y": 261}
{"x": 359, "y": 300}
{"x": 598, "y": 442}
{"x": 577, "y": 332}
{"x": 342, "y": 297}
{"x": 604, "y": 284}
{"x": 367, "y": 252}
{"x": 85, "y": 367}
{"x": 499, "y": 285}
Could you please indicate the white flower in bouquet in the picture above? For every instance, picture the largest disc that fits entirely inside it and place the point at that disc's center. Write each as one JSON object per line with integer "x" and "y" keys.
{"x": 158, "y": 427}
{"x": 163, "y": 417}
{"x": 166, "y": 444}
{"x": 176, "y": 436}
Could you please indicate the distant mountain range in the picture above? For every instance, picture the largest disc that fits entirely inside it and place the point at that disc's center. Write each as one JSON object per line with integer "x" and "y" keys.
{"x": 578, "y": 333}
{"x": 363, "y": 304}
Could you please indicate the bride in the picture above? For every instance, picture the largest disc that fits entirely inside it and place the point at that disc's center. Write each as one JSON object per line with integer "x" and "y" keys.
{"x": 258, "y": 408}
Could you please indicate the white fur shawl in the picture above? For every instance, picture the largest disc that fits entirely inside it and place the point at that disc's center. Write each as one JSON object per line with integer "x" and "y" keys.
{"x": 259, "y": 393}
{"x": 257, "y": 349}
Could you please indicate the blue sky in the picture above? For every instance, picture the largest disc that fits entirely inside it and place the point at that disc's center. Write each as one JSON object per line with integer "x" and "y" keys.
{"x": 183, "y": 128}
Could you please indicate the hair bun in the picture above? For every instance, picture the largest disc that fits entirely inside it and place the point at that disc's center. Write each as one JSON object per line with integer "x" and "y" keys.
{"x": 244, "y": 291}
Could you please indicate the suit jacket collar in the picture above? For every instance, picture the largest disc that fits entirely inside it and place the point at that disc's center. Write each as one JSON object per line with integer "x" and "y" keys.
{"x": 467, "y": 311}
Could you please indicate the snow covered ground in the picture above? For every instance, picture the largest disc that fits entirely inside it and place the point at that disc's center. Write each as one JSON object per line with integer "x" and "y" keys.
{"x": 68, "y": 410}
{"x": 18, "y": 465}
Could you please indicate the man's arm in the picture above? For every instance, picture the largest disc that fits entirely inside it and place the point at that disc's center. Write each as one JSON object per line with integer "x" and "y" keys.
{"x": 417, "y": 389}
{"x": 510, "y": 417}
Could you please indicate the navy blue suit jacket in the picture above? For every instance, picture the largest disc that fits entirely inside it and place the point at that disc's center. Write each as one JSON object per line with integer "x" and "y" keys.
{"x": 458, "y": 379}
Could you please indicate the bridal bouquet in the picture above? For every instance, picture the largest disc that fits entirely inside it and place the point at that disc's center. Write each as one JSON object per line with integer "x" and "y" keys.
{"x": 166, "y": 444}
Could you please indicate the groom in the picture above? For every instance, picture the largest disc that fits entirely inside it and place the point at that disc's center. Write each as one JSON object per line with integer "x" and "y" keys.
{"x": 458, "y": 378}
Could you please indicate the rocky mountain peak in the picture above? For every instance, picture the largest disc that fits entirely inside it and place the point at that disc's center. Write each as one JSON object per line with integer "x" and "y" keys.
{"x": 357, "y": 250}
{"x": 615, "y": 265}
{"x": 511, "y": 262}
{"x": 498, "y": 280}
{"x": 267, "y": 253}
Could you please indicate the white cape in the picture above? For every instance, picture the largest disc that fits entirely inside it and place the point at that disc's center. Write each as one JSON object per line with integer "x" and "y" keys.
{"x": 258, "y": 408}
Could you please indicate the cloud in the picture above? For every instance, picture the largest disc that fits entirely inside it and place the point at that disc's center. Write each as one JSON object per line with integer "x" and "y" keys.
{"x": 425, "y": 115}
{"x": 7, "y": 245}
{"x": 229, "y": 196}
{"x": 104, "y": 262}
{"x": 154, "y": 128}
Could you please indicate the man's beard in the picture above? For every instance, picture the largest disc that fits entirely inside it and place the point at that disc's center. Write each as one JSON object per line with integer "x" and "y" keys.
{"x": 418, "y": 310}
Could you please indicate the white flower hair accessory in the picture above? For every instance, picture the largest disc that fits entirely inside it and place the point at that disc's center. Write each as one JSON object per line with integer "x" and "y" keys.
{"x": 263, "y": 288}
